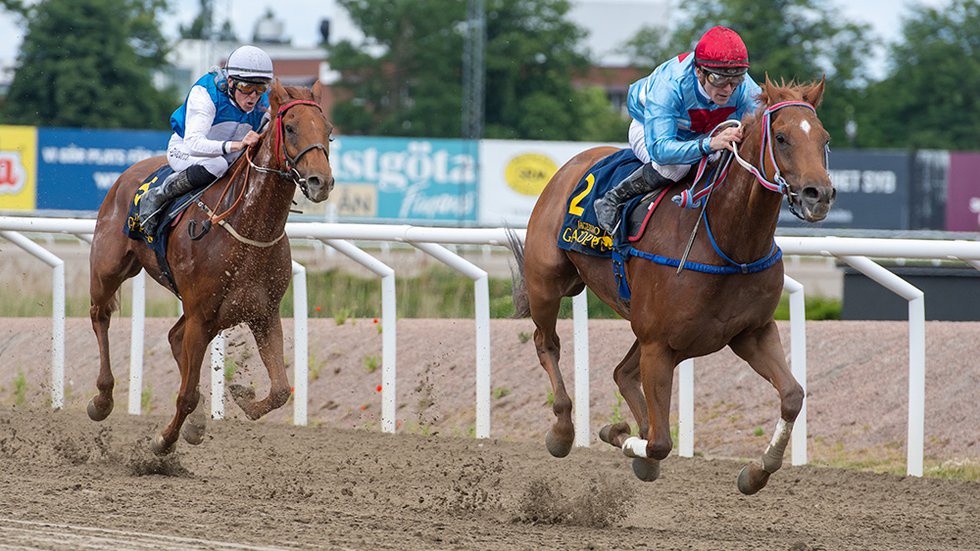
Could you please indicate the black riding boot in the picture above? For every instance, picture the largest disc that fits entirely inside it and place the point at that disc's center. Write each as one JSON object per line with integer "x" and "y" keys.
{"x": 642, "y": 180}
{"x": 152, "y": 202}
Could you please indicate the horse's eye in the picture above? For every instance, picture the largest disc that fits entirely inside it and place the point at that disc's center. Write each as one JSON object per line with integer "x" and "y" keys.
{"x": 781, "y": 139}
{"x": 290, "y": 129}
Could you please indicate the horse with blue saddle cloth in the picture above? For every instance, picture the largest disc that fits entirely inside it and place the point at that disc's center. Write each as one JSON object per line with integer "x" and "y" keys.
{"x": 234, "y": 275}
{"x": 172, "y": 211}
{"x": 721, "y": 232}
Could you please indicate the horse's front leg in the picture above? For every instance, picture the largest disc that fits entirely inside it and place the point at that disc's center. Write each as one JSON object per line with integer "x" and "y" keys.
{"x": 189, "y": 340}
{"x": 268, "y": 337}
{"x": 656, "y": 377}
{"x": 764, "y": 352}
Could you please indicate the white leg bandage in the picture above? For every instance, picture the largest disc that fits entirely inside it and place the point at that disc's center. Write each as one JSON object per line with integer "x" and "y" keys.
{"x": 772, "y": 460}
{"x": 634, "y": 446}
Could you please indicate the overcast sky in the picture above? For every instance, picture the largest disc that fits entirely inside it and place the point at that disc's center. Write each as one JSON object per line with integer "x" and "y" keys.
{"x": 302, "y": 18}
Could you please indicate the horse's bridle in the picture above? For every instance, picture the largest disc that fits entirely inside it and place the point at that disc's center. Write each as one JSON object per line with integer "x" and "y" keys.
{"x": 285, "y": 160}
{"x": 778, "y": 183}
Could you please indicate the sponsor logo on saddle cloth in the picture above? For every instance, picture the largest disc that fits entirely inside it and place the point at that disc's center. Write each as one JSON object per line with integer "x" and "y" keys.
{"x": 580, "y": 231}
{"x": 133, "y": 228}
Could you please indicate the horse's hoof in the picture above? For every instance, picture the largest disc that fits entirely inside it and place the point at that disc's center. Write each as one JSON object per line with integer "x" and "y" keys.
{"x": 612, "y": 434}
{"x": 160, "y": 447}
{"x": 645, "y": 469}
{"x": 192, "y": 432}
{"x": 96, "y": 413}
{"x": 751, "y": 479}
{"x": 557, "y": 447}
{"x": 244, "y": 396}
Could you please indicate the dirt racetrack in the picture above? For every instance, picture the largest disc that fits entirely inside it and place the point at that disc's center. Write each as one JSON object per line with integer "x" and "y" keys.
{"x": 69, "y": 483}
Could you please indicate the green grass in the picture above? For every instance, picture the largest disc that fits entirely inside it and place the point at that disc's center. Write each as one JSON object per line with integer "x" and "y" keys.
{"x": 817, "y": 308}
{"x": 371, "y": 363}
{"x": 231, "y": 366}
{"x": 146, "y": 401}
{"x": 439, "y": 292}
{"x": 20, "y": 389}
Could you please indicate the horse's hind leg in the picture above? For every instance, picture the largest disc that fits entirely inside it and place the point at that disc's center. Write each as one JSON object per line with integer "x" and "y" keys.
{"x": 189, "y": 340}
{"x": 545, "y": 302}
{"x": 268, "y": 337}
{"x": 763, "y": 351}
{"x": 106, "y": 277}
{"x": 627, "y": 377}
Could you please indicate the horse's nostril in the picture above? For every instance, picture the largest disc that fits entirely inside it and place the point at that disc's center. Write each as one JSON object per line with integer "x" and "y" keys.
{"x": 833, "y": 194}
{"x": 811, "y": 193}
{"x": 313, "y": 182}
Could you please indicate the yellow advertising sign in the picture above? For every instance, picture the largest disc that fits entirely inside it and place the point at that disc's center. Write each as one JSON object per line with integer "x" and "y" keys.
{"x": 18, "y": 167}
{"x": 528, "y": 173}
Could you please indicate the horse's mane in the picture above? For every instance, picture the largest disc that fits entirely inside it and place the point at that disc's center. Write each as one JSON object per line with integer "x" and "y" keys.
{"x": 772, "y": 93}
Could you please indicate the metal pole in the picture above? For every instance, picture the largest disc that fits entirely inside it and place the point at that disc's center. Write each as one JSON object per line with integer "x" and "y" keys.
{"x": 300, "y": 346}
{"x": 797, "y": 325}
{"x": 580, "y": 317}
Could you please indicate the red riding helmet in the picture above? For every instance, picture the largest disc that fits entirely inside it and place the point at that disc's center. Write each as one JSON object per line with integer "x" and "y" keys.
{"x": 721, "y": 50}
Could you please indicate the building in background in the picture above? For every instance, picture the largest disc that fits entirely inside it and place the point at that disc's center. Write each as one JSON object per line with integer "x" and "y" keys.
{"x": 294, "y": 66}
{"x": 609, "y": 25}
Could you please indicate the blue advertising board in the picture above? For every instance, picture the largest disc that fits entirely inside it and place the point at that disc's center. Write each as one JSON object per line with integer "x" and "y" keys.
{"x": 76, "y": 167}
{"x": 873, "y": 190}
{"x": 412, "y": 180}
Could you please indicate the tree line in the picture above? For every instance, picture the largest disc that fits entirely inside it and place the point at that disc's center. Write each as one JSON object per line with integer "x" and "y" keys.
{"x": 91, "y": 63}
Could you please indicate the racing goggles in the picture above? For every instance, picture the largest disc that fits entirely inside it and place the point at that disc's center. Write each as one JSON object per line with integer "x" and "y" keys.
{"x": 720, "y": 81}
{"x": 249, "y": 88}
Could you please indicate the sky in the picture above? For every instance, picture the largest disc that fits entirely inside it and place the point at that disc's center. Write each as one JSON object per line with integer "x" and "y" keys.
{"x": 302, "y": 19}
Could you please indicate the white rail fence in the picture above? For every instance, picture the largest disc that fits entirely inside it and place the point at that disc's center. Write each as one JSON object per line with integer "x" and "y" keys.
{"x": 856, "y": 252}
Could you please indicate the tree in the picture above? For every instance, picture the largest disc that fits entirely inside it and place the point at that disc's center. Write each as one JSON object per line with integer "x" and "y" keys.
{"x": 406, "y": 80}
{"x": 928, "y": 98}
{"x": 89, "y": 63}
{"x": 787, "y": 39}
{"x": 201, "y": 27}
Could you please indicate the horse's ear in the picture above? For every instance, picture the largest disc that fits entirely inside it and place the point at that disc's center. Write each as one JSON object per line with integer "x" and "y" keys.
{"x": 317, "y": 91}
{"x": 814, "y": 94}
{"x": 277, "y": 96}
{"x": 765, "y": 98}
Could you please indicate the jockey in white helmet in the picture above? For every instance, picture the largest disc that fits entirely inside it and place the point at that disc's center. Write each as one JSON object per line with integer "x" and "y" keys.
{"x": 219, "y": 118}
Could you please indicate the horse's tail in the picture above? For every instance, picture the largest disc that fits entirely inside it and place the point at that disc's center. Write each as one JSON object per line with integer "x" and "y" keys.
{"x": 522, "y": 306}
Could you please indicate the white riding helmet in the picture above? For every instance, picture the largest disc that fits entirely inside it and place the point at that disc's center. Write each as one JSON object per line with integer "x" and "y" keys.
{"x": 250, "y": 64}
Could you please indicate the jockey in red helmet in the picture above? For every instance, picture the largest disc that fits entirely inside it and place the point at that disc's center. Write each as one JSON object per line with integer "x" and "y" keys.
{"x": 674, "y": 110}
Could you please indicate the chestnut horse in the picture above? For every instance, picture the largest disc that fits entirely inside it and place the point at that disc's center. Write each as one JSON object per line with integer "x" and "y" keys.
{"x": 224, "y": 277}
{"x": 676, "y": 315}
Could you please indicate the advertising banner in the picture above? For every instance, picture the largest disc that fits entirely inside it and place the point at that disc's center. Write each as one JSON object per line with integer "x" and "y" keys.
{"x": 412, "y": 180}
{"x": 513, "y": 173}
{"x": 963, "y": 192}
{"x": 76, "y": 167}
{"x": 872, "y": 192}
{"x": 18, "y": 168}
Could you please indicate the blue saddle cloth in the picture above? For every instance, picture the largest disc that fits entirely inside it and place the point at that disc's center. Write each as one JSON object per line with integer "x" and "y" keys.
{"x": 158, "y": 243}
{"x": 580, "y": 231}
